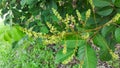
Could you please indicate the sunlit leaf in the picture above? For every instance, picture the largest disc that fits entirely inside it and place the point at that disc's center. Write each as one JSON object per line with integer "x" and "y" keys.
{"x": 60, "y": 57}
{"x": 117, "y": 34}
{"x": 104, "y": 48}
{"x": 87, "y": 56}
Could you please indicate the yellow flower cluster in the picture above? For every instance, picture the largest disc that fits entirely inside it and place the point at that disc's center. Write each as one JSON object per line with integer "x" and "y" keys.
{"x": 47, "y": 39}
{"x": 66, "y": 21}
{"x": 52, "y": 28}
{"x": 68, "y": 59}
{"x": 91, "y": 3}
{"x": 116, "y": 18}
{"x": 56, "y": 14}
{"x": 88, "y": 14}
{"x": 78, "y": 15}
{"x": 85, "y": 35}
{"x": 71, "y": 57}
{"x": 52, "y": 39}
{"x": 114, "y": 56}
{"x": 64, "y": 49}
{"x": 31, "y": 33}
{"x": 72, "y": 19}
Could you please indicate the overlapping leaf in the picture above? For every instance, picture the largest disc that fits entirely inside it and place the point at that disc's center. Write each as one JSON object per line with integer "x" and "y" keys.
{"x": 106, "y": 30}
{"x": 11, "y": 34}
{"x": 104, "y": 48}
{"x": 87, "y": 56}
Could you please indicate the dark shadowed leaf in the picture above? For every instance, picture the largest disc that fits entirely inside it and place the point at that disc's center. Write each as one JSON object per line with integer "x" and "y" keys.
{"x": 101, "y": 3}
{"x": 105, "y": 11}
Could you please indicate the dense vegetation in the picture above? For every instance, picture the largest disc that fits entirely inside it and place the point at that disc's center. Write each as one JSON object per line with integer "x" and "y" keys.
{"x": 51, "y": 33}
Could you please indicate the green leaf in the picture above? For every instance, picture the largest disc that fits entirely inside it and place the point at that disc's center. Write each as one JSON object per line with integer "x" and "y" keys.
{"x": 71, "y": 36}
{"x": 110, "y": 38}
{"x": 30, "y": 2}
{"x": 117, "y": 3}
{"x": 16, "y": 13}
{"x": 55, "y": 19}
{"x": 90, "y": 60}
{"x": 106, "y": 30}
{"x": 104, "y": 55}
{"x": 101, "y": 3}
{"x": 105, "y": 11}
{"x": 81, "y": 50}
{"x": 44, "y": 29}
{"x": 23, "y": 2}
{"x": 88, "y": 56}
{"x": 118, "y": 21}
{"x": 60, "y": 57}
{"x": 98, "y": 39}
{"x": 34, "y": 10}
{"x": 16, "y": 34}
{"x": 7, "y": 37}
{"x": 104, "y": 48}
{"x": 117, "y": 35}
{"x": 12, "y": 34}
{"x": 53, "y": 4}
{"x": 73, "y": 43}
{"x": 113, "y": 1}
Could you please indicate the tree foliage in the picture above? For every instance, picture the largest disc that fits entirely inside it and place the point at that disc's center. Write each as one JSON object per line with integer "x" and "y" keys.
{"x": 73, "y": 26}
